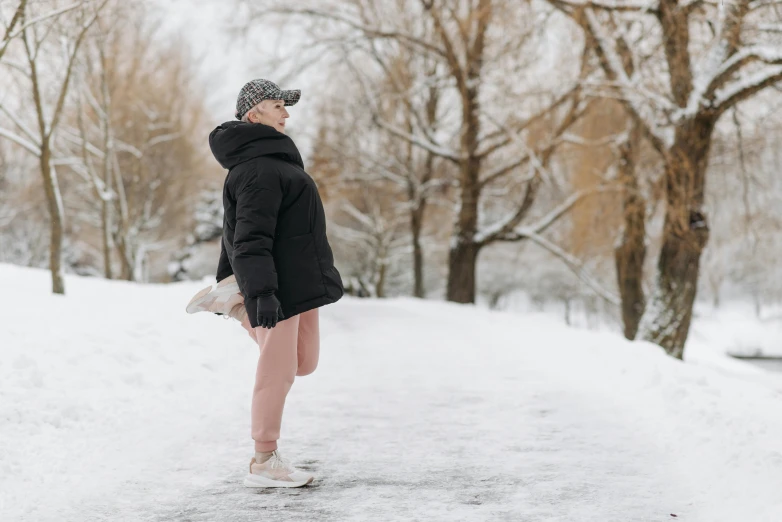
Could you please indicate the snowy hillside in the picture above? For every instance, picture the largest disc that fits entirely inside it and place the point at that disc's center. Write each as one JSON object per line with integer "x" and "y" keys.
{"x": 116, "y": 405}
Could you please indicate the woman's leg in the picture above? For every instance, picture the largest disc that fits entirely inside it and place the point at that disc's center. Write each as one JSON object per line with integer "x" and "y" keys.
{"x": 308, "y": 347}
{"x": 246, "y": 325}
{"x": 277, "y": 367}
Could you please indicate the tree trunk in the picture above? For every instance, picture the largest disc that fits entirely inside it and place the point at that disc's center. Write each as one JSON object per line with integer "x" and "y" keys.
{"x": 380, "y": 287}
{"x": 108, "y": 147}
{"x": 630, "y": 253}
{"x": 106, "y": 207}
{"x": 381, "y": 269}
{"x": 669, "y": 313}
{"x": 463, "y": 255}
{"x": 105, "y": 220}
{"x": 54, "y": 206}
{"x": 126, "y": 266}
{"x": 685, "y": 233}
{"x": 461, "y": 272}
{"x": 418, "y": 255}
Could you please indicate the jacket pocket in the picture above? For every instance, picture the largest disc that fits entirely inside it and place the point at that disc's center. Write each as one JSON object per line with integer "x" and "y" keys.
{"x": 299, "y": 277}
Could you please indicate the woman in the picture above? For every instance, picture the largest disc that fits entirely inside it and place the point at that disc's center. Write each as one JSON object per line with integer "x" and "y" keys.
{"x": 276, "y": 267}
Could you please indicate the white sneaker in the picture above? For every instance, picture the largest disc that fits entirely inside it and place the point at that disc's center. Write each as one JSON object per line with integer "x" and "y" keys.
{"x": 276, "y": 473}
{"x": 219, "y": 298}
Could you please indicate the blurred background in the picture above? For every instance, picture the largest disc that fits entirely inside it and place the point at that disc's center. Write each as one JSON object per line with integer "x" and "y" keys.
{"x": 602, "y": 161}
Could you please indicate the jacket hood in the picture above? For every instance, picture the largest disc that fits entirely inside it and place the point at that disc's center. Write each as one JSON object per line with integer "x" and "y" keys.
{"x": 235, "y": 142}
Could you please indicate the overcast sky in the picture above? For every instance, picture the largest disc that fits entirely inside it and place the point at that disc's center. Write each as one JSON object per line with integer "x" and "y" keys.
{"x": 227, "y": 61}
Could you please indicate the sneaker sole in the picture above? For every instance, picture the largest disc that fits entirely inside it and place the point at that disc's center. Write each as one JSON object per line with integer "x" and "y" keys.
{"x": 257, "y": 481}
{"x": 226, "y": 291}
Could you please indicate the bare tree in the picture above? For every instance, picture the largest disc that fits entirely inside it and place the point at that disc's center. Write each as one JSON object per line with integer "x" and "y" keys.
{"x": 10, "y": 30}
{"x": 411, "y": 169}
{"x": 630, "y": 251}
{"x": 70, "y": 27}
{"x": 133, "y": 132}
{"x": 488, "y": 150}
{"x": 709, "y": 68}
{"x": 374, "y": 231}
{"x": 403, "y": 90}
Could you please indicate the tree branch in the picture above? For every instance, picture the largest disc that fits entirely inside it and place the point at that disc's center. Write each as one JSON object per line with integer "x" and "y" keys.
{"x": 16, "y": 66}
{"x": 41, "y": 18}
{"x": 502, "y": 170}
{"x": 511, "y": 133}
{"x": 613, "y": 66}
{"x": 742, "y": 57}
{"x": 437, "y": 150}
{"x": 633, "y": 6}
{"x": 20, "y": 141}
{"x": 19, "y": 123}
{"x": 506, "y": 230}
{"x": 367, "y": 30}
{"x": 743, "y": 89}
{"x": 450, "y": 53}
{"x": 563, "y": 208}
{"x": 68, "y": 72}
{"x": 575, "y": 265}
{"x": 9, "y": 34}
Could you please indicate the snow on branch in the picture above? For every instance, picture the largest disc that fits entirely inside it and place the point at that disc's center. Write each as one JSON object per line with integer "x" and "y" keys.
{"x": 514, "y": 135}
{"x": 350, "y": 234}
{"x": 31, "y": 147}
{"x": 384, "y": 172}
{"x": 18, "y": 15}
{"x": 162, "y": 139}
{"x": 743, "y": 56}
{"x": 613, "y": 65}
{"x": 557, "y": 212}
{"x": 757, "y": 4}
{"x": 614, "y": 5}
{"x": 575, "y": 264}
{"x": 746, "y": 87}
{"x": 613, "y": 60}
{"x": 69, "y": 68}
{"x": 612, "y": 139}
{"x": 504, "y": 169}
{"x": 13, "y": 65}
{"x": 19, "y": 124}
{"x": 359, "y": 216}
{"x": 434, "y": 148}
{"x": 368, "y": 30}
{"x": 78, "y": 140}
{"x": 506, "y": 230}
{"x": 55, "y": 13}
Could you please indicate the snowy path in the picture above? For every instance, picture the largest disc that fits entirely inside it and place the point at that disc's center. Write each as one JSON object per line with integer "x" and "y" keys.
{"x": 413, "y": 414}
{"x": 417, "y": 430}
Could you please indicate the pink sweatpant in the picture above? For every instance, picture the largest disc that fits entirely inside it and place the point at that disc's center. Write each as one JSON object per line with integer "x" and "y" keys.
{"x": 289, "y": 349}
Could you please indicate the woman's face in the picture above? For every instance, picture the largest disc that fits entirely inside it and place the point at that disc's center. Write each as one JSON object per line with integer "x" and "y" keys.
{"x": 271, "y": 113}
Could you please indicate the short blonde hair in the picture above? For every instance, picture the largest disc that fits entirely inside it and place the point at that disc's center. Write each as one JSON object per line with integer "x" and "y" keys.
{"x": 257, "y": 110}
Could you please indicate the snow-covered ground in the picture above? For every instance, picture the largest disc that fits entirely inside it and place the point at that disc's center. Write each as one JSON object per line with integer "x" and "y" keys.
{"x": 116, "y": 405}
{"x": 736, "y": 329}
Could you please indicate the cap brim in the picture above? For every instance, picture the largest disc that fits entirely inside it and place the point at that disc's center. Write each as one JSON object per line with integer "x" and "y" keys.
{"x": 291, "y": 97}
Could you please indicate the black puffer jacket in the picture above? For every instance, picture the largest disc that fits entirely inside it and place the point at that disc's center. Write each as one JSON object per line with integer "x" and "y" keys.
{"x": 274, "y": 228}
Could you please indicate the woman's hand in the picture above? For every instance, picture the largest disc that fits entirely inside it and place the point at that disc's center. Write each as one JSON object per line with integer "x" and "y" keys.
{"x": 264, "y": 311}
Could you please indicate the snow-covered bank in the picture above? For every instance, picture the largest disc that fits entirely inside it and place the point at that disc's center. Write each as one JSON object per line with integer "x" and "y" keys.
{"x": 736, "y": 329}
{"x": 116, "y": 405}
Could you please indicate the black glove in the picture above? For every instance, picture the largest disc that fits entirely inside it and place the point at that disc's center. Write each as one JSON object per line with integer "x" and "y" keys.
{"x": 263, "y": 311}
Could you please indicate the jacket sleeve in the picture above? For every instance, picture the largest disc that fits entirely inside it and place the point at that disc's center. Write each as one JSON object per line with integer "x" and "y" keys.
{"x": 258, "y": 198}
{"x": 224, "y": 265}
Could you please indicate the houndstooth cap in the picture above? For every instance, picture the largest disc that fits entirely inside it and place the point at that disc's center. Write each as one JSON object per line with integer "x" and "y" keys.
{"x": 255, "y": 91}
